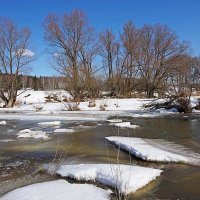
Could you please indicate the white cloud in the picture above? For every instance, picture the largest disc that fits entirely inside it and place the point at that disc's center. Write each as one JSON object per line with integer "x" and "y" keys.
{"x": 25, "y": 52}
{"x": 28, "y": 52}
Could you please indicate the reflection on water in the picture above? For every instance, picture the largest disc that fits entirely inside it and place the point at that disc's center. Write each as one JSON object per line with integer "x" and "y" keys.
{"x": 23, "y": 157}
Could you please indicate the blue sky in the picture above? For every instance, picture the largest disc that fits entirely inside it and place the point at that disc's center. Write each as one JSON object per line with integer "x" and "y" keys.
{"x": 182, "y": 16}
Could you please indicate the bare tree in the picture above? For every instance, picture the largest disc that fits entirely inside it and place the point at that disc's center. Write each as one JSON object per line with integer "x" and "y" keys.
{"x": 161, "y": 55}
{"x": 15, "y": 58}
{"x": 68, "y": 37}
{"x": 109, "y": 50}
{"x": 128, "y": 69}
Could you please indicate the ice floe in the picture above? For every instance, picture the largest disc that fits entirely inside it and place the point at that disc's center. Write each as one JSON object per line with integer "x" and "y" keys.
{"x": 50, "y": 123}
{"x": 6, "y": 140}
{"x": 125, "y": 178}
{"x": 58, "y": 190}
{"x": 126, "y": 125}
{"x": 114, "y": 120}
{"x": 65, "y": 130}
{"x": 37, "y": 134}
{"x": 2, "y": 122}
{"x": 156, "y": 150}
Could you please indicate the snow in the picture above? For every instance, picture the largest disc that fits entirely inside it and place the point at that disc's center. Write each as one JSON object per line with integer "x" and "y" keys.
{"x": 35, "y": 104}
{"x": 50, "y": 123}
{"x": 33, "y": 97}
{"x": 58, "y": 190}
{"x": 125, "y": 178}
{"x": 156, "y": 150}
{"x": 114, "y": 120}
{"x": 126, "y": 125}
{"x": 27, "y": 133}
{"x": 65, "y": 130}
{"x": 2, "y": 122}
{"x": 7, "y": 140}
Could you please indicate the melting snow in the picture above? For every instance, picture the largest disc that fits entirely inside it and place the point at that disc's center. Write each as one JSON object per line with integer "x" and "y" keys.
{"x": 114, "y": 120}
{"x": 126, "y": 125}
{"x": 6, "y": 140}
{"x": 58, "y": 190}
{"x": 27, "y": 133}
{"x": 64, "y": 130}
{"x": 50, "y": 123}
{"x": 2, "y": 122}
{"x": 125, "y": 178}
{"x": 156, "y": 150}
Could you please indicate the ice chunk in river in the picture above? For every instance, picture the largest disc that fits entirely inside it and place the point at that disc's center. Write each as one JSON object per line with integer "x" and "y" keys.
{"x": 2, "y": 122}
{"x": 58, "y": 190}
{"x": 114, "y": 120}
{"x": 125, "y": 178}
{"x": 50, "y": 123}
{"x": 156, "y": 150}
{"x": 27, "y": 133}
{"x": 65, "y": 130}
{"x": 126, "y": 125}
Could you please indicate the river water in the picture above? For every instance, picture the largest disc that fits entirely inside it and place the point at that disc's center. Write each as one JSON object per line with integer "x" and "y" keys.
{"x": 20, "y": 159}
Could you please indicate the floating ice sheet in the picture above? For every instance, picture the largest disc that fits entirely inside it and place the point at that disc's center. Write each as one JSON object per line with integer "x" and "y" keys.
{"x": 156, "y": 150}
{"x": 58, "y": 190}
{"x": 125, "y": 178}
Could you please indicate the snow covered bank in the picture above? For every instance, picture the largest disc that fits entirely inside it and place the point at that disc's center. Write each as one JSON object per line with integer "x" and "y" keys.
{"x": 156, "y": 150}
{"x": 126, "y": 125}
{"x": 125, "y": 178}
{"x": 58, "y": 190}
{"x": 32, "y": 96}
{"x": 27, "y": 133}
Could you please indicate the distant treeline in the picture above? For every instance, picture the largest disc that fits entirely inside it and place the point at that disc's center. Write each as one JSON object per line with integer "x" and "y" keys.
{"x": 34, "y": 82}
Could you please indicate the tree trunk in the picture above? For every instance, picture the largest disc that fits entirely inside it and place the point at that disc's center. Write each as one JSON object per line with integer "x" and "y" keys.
{"x": 11, "y": 103}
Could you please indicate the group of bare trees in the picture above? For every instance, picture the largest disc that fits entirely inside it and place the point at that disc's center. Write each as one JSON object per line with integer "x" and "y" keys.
{"x": 145, "y": 60}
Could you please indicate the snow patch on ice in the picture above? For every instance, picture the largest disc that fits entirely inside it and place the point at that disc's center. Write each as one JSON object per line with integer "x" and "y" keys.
{"x": 27, "y": 133}
{"x": 125, "y": 178}
{"x": 156, "y": 150}
{"x": 58, "y": 190}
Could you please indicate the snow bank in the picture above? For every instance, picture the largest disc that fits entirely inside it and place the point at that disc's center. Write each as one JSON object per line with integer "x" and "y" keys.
{"x": 125, "y": 178}
{"x": 31, "y": 96}
{"x": 58, "y": 190}
{"x": 27, "y": 133}
{"x": 2, "y": 122}
{"x": 50, "y": 123}
{"x": 156, "y": 150}
{"x": 53, "y": 107}
{"x": 126, "y": 125}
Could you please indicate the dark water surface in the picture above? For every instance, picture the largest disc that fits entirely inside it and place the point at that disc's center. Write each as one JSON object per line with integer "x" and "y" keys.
{"x": 20, "y": 159}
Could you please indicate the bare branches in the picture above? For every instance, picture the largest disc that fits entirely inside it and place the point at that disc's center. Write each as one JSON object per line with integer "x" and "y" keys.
{"x": 15, "y": 58}
{"x": 71, "y": 42}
